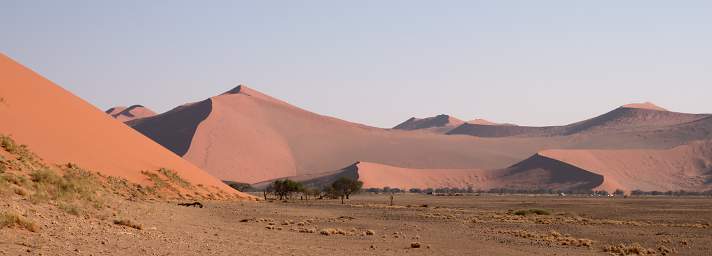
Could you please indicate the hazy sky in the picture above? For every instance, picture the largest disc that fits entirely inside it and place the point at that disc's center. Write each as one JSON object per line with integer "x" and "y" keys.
{"x": 375, "y": 62}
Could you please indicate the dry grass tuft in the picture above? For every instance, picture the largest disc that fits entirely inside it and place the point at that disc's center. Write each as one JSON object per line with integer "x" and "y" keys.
{"x": 13, "y": 220}
{"x": 531, "y": 211}
{"x": 128, "y": 223}
{"x": 174, "y": 177}
{"x": 552, "y": 237}
{"x": 70, "y": 208}
{"x": 631, "y": 249}
{"x": 333, "y": 231}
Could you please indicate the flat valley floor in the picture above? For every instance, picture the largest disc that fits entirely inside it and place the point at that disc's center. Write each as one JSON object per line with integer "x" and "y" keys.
{"x": 368, "y": 225}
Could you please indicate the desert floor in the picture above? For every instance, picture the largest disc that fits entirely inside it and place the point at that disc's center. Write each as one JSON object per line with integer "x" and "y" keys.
{"x": 367, "y": 225}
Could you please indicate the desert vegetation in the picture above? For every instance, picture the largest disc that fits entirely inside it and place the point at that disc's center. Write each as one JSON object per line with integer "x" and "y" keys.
{"x": 10, "y": 220}
{"x": 287, "y": 189}
{"x": 531, "y": 212}
{"x": 128, "y": 223}
{"x": 344, "y": 187}
{"x": 69, "y": 188}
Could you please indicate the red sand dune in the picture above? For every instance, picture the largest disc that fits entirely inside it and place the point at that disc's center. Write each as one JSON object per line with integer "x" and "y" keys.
{"x": 438, "y": 124}
{"x": 536, "y": 172}
{"x": 83, "y": 134}
{"x": 125, "y": 114}
{"x": 246, "y": 136}
{"x": 687, "y": 167}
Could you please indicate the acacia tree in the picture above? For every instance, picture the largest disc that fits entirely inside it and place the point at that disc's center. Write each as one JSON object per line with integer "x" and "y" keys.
{"x": 344, "y": 187}
{"x": 285, "y": 188}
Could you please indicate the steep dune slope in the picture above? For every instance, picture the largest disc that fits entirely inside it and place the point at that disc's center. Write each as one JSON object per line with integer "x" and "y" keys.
{"x": 83, "y": 134}
{"x": 125, "y": 114}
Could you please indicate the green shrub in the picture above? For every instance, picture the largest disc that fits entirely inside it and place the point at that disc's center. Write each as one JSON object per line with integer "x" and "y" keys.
{"x": 285, "y": 188}
{"x": 345, "y": 186}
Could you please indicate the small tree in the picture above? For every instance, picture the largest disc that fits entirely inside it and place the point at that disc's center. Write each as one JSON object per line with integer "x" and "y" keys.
{"x": 310, "y": 191}
{"x": 285, "y": 188}
{"x": 268, "y": 190}
{"x": 344, "y": 187}
{"x": 619, "y": 192}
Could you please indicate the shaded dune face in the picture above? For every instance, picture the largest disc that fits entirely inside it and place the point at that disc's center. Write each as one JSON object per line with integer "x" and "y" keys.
{"x": 174, "y": 129}
{"x": 540, "y": 172}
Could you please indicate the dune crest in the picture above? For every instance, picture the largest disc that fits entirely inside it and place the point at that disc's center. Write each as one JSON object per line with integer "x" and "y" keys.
{"x": 644, "y": 105}
{"x": 125, "y": 114}
{"x": 437, "y": 124}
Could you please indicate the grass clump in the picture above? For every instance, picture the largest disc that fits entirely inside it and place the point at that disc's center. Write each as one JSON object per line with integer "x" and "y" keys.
{"x": 158, "y": 183}
{"x": 7, "y": 143}
{"x": 533, "y": 211}
{"x": 174, "y": 177}
{"x": 75, "y": 185}
{"x": 552, "y": 237}
{"x": 70, "y": 208}
{"x": 128, "y": 223}
{"x": 628, "y": 249}
{"x": 3, "y": 165}
{"x": 9, "y": 220}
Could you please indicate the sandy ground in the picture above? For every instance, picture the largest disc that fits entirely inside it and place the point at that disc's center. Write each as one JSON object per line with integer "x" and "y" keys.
{"x": 466, "y": 225}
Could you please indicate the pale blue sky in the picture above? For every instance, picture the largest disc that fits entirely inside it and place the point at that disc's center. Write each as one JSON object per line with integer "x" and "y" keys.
{"x": 375, "y": 62}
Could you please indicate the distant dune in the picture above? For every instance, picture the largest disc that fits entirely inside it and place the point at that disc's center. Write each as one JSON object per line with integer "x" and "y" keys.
{"x": 125, "y": 114}
{"x": 437, "y": 124}
{"x": 83, "y": 134}
{"x": 632, "y": 117}
{"x": 687, "y": 167}
{"x": 536, "y": 172}
{"x": 246, "y": 136}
